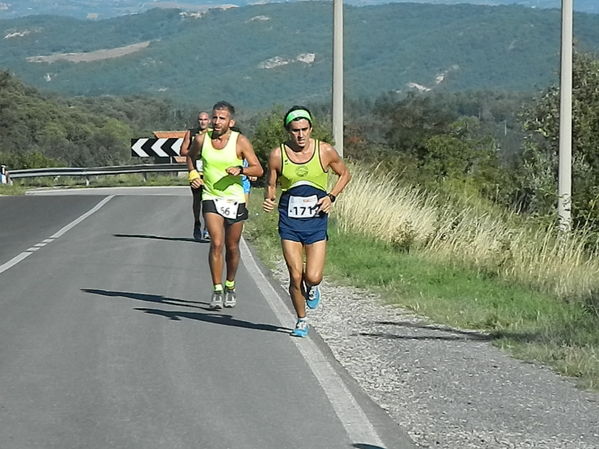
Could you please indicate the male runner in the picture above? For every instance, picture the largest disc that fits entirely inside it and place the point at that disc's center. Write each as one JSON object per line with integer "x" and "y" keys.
{"x": 301, "y": 164}
{"x": 222, "y": 152}
{"x": 203, "y": 123}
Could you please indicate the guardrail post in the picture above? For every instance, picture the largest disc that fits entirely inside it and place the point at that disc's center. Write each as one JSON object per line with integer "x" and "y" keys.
{"x": 3, "y": 175}
{"x": 87, "y": 181}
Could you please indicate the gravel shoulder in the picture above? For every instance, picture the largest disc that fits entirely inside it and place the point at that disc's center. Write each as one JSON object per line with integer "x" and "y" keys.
{"x": 450, "y": 388}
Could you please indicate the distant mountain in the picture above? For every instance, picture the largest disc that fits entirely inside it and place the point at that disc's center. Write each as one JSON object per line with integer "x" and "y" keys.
{"x": 261, "y": 55}
{"x": 588, "y": 6}
{"x": 103, "y": 9}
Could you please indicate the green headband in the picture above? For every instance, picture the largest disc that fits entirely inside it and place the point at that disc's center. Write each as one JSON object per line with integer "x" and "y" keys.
{"x": 298, "y": 113}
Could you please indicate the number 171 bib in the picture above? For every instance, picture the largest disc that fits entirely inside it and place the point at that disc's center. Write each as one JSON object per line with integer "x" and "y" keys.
{"x": 302, "y": 206}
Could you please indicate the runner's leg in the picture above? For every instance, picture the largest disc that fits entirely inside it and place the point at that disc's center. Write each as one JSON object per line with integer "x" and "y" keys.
{"x": 315, "y": 259}
{"x": 216, "y": 227}
{"x": 232, "y": 254}
{"x": 197, "y": 204}
{"x": 196, "y": 207}
{"x": 293, "y": 254}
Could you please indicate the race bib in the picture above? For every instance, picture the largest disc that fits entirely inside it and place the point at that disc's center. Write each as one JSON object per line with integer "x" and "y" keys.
{"x": 226, "y": 208}
{"x": 302, "y": 206}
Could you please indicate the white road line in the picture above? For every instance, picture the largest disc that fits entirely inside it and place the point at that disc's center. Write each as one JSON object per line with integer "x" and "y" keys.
{"x": 356, "y": 423}
{"x": 83, "y": 217}
{"x": 19, "y": 258}
{"x": 15, "y": 260}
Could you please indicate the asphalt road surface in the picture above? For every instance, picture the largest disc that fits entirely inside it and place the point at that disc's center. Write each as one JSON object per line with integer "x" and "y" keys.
{"x": 106, "y": 339}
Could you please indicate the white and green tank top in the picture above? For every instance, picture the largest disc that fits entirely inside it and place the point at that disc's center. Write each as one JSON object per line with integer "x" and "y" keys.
{"x": 308, "y": 173}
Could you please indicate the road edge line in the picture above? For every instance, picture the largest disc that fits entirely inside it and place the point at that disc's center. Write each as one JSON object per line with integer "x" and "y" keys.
{"x": 350, "y": 413}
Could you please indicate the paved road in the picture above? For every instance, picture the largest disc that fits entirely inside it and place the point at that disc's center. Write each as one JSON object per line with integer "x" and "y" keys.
{"x": 106, "y": 340}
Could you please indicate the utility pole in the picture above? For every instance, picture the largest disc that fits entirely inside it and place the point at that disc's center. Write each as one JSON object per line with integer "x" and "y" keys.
{"x": 338, "y": 75}
{"x": 564, "y": 205}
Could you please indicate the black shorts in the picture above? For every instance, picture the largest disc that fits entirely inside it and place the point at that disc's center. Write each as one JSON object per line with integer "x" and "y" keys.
{"x": 208, "y": 207}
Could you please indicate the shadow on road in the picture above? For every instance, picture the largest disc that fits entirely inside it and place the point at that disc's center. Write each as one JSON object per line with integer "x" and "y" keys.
{"x": 216, "y": 318}
{"x": 157, "y": 237}
{"x": 213, "y": 317}
{"x": 148, "y": 297}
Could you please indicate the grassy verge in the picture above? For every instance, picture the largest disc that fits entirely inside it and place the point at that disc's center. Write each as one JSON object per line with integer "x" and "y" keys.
{"x": 531, "y": 324}
{"x": 77, "y": 182}
{"x": 6, "y": 189}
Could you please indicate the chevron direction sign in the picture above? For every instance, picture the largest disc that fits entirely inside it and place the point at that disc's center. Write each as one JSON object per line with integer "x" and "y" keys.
{"x": 146, "y": 147}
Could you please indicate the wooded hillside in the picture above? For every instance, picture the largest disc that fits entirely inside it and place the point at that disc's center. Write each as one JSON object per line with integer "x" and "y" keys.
{"x": 257, "y": 56}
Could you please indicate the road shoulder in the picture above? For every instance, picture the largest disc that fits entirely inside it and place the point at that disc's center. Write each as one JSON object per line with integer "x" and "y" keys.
{"x": 450, "y": 388}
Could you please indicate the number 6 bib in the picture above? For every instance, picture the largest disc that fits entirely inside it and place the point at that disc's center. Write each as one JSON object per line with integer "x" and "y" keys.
{"x": 302, "y": 206}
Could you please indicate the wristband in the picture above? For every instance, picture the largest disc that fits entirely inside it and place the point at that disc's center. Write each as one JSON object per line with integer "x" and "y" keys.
{"x": 331, "y": 197}
{"x": 193, "y": 175}
{"x": 241, "y": 169}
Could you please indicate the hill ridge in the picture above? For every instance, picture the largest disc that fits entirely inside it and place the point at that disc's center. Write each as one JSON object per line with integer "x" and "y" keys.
{"x": 280, "y": 53}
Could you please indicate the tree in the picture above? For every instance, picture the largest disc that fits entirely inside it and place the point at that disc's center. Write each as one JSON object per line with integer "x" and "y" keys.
{"x": 537, "y": 176}
{"x": 75, "y": 131}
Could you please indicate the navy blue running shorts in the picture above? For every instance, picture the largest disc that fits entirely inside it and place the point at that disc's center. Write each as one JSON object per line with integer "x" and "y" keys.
{"x": 305, "y": 236}
{"x": 304, "y": 230}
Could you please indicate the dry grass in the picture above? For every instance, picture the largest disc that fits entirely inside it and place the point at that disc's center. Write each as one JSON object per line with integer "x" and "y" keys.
{"x": 373, "y": 206}
{"x": 376, "y": 205}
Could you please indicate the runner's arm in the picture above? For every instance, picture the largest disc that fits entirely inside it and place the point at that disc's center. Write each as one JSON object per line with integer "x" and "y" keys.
{"x": 194, "y": 151}
{"x": 334, "y": 161}
{"x": 185, "y": 146}
{"x": 245, "y": 150}
{"x": 272, "y": 174}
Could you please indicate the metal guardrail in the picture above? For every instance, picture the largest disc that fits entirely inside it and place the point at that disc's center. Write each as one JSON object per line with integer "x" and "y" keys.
{"x": 95, "y": 171}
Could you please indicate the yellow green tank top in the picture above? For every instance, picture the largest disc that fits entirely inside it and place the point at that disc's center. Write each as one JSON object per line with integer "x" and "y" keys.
{"x": 217, "y": 183}
{"x": 309, "y": 173}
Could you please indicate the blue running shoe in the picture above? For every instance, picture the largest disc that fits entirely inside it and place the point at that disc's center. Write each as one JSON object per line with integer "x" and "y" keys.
{"x": 313, "y": 297}
{"x": 301, "y": 329}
